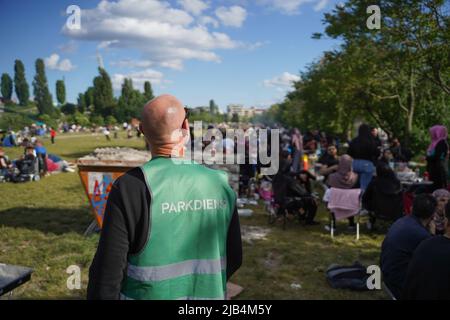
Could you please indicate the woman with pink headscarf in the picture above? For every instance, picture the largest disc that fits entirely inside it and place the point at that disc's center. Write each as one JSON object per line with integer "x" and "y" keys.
{"x": 437, "y": 157}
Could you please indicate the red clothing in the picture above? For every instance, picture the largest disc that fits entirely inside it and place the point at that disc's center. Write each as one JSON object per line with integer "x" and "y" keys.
{"x": 52, "y": 133}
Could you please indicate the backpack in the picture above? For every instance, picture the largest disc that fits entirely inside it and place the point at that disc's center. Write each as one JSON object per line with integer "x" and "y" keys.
{"x": 352, "y": 277}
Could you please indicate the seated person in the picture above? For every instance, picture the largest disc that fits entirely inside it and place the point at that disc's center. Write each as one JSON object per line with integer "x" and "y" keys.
{"x": 383, "y": 196}
{"x": 442, "y": 196}
{"x": 26, "y": 164}
{"x": 343, "y": 178}
{"x": 387, "y": 158}
{"x": 328, "y": 162}
{"x": 286, "y": 188}
{"x": 402, "y": 239}
{"x": 428, "y": 275}
{"x": 5, "y": 165}
{"x": 400, "y": 153}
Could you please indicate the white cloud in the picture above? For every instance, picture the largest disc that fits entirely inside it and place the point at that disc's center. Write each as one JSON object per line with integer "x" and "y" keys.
{"x": 69, "y": 47}
{"x": 164, "y": 35}
{"x": 321, "y": 5}
{"x": 196, "y": 7}
{"x": 282, "y": 82}
{"x": 128, "y": 63}
{"x": 139, "y": 78}
{"x": 206, "y": 20}
{"x": 232, "y": 17}
{"x": 292, "y": 6}
{"x": 54, "y": 63}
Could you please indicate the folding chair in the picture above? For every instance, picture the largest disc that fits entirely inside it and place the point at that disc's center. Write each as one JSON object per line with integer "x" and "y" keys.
{"x": 344, "y": 203}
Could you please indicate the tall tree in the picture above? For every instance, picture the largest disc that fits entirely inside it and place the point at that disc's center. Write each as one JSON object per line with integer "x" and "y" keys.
{"x": 7, "y": 86}
{"x": 42, "y": 95}
{"x": 81, "y": 102}
{"x": 213, "y": 107}
{"x": 89, "y": 97}
{"x": 104, "y": 101}
{"x": 61, "y": 92}
{"x": 148, "y": 91}
{"x": 130, "y": 102}
{"x": 20, "y": 83}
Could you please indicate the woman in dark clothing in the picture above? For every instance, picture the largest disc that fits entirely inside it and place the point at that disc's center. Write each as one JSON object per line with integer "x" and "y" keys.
{"x": 437, "y": 157}
{"x": 286, "y": 188}
{"x": 364, "y": 151}
{"x": 383, "y": 196}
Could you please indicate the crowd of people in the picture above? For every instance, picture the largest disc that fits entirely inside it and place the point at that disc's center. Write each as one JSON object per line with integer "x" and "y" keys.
{"x": 415, "y": 255}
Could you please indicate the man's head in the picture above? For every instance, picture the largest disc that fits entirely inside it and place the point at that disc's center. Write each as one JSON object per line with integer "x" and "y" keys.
{"x": 424, "y": 206}
{"x": 165, "y": 125}
{"x": 395, "y": 142}
{"x": 374, "y": 132}
{"x": 29, "y": 150}
{"x": 332, "y": 150}
{"x": 387, "y": 155}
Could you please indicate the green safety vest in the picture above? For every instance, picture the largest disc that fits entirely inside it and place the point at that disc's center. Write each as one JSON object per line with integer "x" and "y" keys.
{"x": 185, "y": 254}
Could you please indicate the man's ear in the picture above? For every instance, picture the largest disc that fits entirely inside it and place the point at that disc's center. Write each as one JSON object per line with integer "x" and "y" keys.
{"x": 185, "y": 125}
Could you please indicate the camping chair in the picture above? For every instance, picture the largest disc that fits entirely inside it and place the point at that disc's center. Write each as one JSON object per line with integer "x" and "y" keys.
{"x": 344, "y": 203}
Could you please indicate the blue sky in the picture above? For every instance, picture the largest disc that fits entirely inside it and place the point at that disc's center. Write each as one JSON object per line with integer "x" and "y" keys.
{"x": 232, "y": 51}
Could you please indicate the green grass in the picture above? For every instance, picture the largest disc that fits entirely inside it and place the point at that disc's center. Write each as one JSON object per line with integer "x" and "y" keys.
{"x": 42, "y": 225}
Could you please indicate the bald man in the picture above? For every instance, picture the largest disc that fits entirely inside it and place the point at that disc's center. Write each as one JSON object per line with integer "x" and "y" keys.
{"x": 171, "y": 228}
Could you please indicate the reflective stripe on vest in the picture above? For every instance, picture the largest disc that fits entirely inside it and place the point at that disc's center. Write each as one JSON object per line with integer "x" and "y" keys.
{"x": 184, "y": 268}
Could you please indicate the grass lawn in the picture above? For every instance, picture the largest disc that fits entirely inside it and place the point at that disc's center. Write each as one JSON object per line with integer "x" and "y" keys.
{"x": 42, "y": 225}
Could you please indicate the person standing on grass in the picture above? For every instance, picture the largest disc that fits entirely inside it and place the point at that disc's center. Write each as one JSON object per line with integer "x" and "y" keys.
{"x": 107, "y": 133}
{"x": 52, "y": 135}
{"x": 437, "y": 157}
{"x": 171, "y": 228}
{"x": 364, "y": 151}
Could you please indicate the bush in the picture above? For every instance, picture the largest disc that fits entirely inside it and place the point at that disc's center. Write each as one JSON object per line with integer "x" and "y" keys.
{"x": 97, "y": 120}
{"x": 79, "y": 119}
{"x": 110, "y": 120}
{"x": 14, "y": 121}
{"x": 69, "y": 108}
{"x": 49, "y": 120}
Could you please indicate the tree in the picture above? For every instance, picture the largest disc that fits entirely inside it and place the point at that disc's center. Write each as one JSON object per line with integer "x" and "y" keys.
{"x": 104, "y": 102}
{"x": 6, "y": 86}
{"x": 148, "y": 91}
{"x": 213, "y": 107}
{"x": 130, "y": 103}
{"x": 81, "y": 103}
{"x": 69, "y": 108}
{"x": 235, "y": 118}
{"x": 394, "y": 78}
{"x": 20, "y": 83}
{"x": 61, "y": 92}
{"x": 42, "y": 94}
{"x": 89, "y": 97}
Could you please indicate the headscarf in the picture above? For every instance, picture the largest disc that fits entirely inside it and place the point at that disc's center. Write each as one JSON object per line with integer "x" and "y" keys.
{"x": 438, "y": 133}
{"x": 441, "y": 193}
{"x": 344, "y": 178}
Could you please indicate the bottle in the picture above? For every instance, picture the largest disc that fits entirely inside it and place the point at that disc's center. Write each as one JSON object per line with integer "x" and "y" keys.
{"x": 426, "y": 176}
